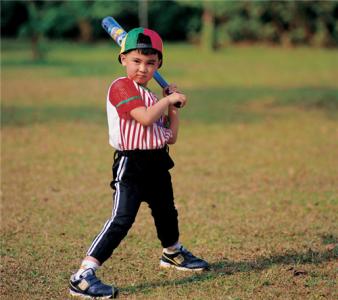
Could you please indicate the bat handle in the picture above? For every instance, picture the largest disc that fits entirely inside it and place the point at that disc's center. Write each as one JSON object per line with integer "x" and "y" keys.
{"x": 160, "y": 80}
{"x": 168, "y": 92}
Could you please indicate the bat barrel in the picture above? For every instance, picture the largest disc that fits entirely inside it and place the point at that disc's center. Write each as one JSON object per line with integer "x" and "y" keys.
{"x": 109, "y": 22}
{"x": 113, "y": 29}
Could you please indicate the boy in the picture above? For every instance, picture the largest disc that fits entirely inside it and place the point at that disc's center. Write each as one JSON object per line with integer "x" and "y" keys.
{"x": 140, "y": 135}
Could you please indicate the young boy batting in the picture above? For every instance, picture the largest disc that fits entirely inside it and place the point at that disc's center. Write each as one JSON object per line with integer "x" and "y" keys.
{"x": 140, "y": 132}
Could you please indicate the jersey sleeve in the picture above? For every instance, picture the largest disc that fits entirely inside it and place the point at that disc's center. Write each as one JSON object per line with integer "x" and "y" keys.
{"x": 124, "y": 96}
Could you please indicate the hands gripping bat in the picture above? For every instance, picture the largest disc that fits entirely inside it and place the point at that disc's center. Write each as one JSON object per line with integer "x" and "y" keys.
{"x": 117, "y": 33}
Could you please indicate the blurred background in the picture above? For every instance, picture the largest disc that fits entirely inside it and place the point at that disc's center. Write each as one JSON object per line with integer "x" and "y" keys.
{"x": 211, "y": 24}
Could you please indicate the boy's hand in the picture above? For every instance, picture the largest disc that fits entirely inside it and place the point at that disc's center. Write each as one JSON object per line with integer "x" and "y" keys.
{"x": 176, "y": 97}
{"x": 176, "y": 100}
{"x": 172, "y": 88}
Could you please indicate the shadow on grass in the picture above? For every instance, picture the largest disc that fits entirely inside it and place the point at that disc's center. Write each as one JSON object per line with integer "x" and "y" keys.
{"x": 218, "y": 105}
{"x": 227, "y": 267}
{"x": 233, "y": 104}
{"x": 28, "y": 115}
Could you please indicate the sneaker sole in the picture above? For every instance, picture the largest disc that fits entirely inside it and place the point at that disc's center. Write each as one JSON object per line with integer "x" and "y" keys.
{"x": 166, "y": 265}
{"x": 75, "y": 294}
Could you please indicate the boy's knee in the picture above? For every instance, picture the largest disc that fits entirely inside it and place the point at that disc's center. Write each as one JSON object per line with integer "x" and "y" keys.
{"x": 165, "y": 214}
{"x": 123, "y": 222}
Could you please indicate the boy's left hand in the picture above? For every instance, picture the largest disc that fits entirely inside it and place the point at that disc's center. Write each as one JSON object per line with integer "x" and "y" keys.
{"x": 172, "y": 88}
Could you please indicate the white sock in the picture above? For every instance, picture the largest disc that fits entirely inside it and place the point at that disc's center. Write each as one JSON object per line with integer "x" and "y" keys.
{"x": 85, "y": 265}
{"x": 173, "y": 249}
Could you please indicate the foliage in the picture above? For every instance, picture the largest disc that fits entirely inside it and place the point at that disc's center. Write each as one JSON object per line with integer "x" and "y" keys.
{"x": 40, "y": 19}
{"x": 287, "y": 22}
{"x": 278, "y": 22}
{"x": 175, "y": 21}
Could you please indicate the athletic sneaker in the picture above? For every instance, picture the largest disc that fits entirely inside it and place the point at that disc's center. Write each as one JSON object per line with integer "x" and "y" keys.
{"x": 183, "y": 260}
{"x": 89, "y": 286}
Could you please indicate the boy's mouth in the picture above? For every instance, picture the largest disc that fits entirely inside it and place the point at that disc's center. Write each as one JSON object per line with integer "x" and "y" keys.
{"x": 141, "y": 77}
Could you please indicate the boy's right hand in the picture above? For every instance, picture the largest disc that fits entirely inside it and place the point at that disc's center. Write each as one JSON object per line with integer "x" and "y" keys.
{"x": 177, "y": 98}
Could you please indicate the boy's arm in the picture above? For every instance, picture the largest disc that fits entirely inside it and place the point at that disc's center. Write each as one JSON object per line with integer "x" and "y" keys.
{"x": 149, "y": 115}
{"x": 174, "y": 123}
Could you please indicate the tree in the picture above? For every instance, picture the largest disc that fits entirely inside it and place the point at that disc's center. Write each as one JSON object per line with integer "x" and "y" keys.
{"x": 82, "y": 13}
{"x": 40, "y": 20}
{"x": 143, "y": 13}
{"x": 213, "y": 13}
{"x": 208, "y": 32}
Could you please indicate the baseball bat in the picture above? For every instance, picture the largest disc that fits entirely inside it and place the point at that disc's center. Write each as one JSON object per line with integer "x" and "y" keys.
{"x": 117, "y": 33}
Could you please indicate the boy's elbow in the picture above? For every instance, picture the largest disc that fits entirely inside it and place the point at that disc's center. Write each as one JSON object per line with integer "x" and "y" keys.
{"x": 172, "y": 140}
{"x": 141, "y": 115}
{"x": 146, "y": 121}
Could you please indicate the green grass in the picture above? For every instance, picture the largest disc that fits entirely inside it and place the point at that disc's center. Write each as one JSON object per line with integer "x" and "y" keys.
{"x": 255, "y": 178}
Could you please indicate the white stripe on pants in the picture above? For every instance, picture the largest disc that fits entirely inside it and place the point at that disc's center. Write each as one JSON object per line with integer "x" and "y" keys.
{"x": 119, "y": 175}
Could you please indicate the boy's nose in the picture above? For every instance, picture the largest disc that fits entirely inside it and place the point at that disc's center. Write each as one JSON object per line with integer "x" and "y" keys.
{"x": 142, "y": 68}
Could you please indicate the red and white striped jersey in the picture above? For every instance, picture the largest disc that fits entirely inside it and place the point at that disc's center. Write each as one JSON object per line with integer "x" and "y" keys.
{"x": 125, "y": 133}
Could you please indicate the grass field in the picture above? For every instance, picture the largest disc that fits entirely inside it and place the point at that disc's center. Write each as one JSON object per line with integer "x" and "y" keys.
{"x": 256, "y": 176}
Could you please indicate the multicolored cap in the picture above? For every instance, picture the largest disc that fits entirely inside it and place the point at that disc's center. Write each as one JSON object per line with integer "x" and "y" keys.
{"x": 130, "y": 42}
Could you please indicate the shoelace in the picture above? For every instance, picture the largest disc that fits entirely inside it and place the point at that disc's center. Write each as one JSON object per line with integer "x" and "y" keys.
{"x": 186, "y": 252}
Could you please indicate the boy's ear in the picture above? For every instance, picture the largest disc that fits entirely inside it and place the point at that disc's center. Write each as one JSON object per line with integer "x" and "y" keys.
{"x": 123, "y": 59}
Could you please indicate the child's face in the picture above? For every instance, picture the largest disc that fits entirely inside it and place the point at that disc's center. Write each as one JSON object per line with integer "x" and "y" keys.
{"x": 139, "y": 67}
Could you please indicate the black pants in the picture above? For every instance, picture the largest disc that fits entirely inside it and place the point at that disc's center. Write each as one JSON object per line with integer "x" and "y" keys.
{"x": 138, "y": 175}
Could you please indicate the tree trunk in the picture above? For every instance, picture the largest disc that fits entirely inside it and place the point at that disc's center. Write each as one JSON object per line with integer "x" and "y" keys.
{"x": 208, "y": 35}
{"x": 86, "y": 30}
{"x": 37, "y": 52}
{"x": 143, "y": 13}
